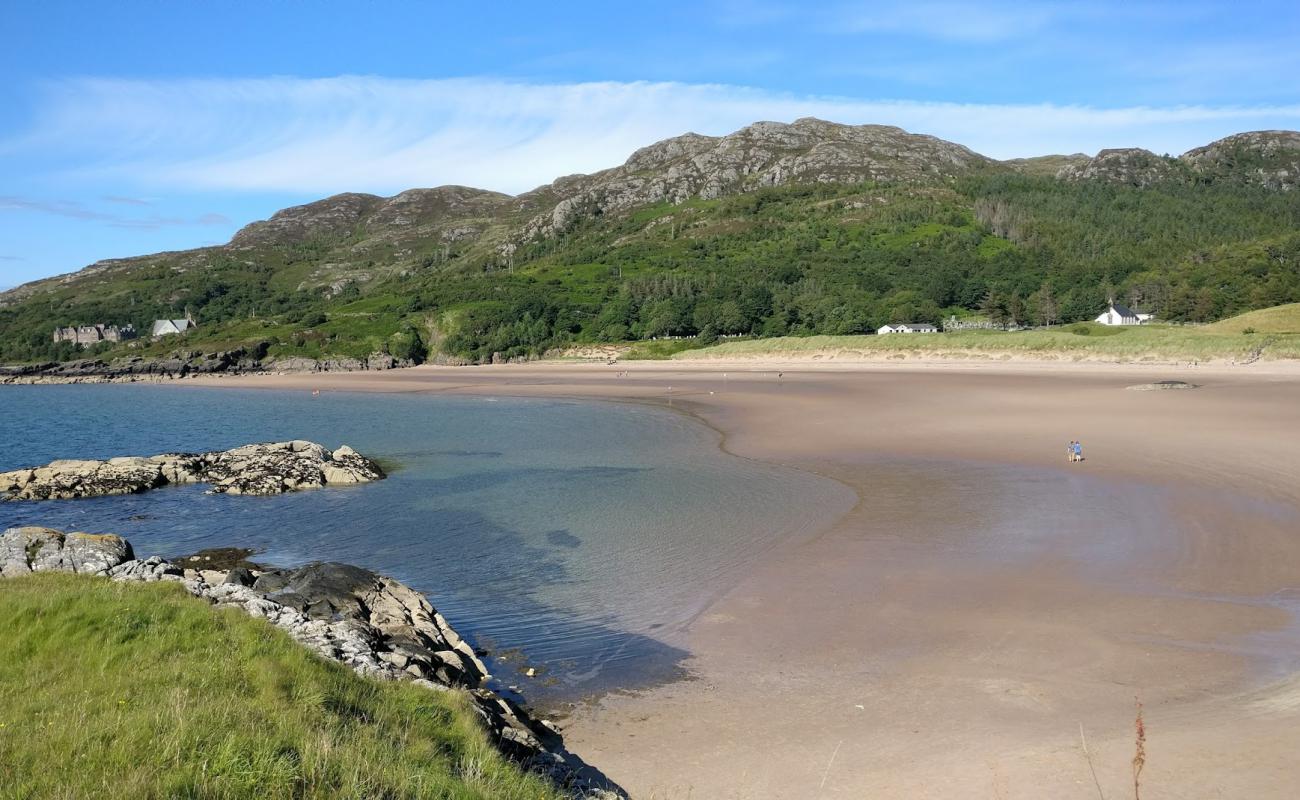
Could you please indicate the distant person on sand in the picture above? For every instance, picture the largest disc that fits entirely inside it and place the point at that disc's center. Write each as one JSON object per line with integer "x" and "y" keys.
{"x": 1078, "y": 451}
{"x": 1069, "y": 452}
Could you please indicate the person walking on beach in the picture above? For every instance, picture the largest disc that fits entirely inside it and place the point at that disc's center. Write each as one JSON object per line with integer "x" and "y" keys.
{"x": 1069, "y": 452}
{"x": 1078, "y": 451}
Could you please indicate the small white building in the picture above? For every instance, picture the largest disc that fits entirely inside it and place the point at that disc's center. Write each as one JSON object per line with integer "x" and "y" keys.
{"x": 1117, "y": 314}
{"x": 907, "y": 327}
{"x": 169, "y": 327}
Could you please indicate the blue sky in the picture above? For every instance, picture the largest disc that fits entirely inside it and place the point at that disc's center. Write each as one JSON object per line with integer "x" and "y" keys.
{"x": 135, "y": 127}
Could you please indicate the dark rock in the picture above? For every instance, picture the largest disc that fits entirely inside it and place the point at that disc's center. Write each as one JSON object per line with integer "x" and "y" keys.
{"x": 241, "y": 576}
{"x": 220, "y": 558}
{"x": 271, "y": 581}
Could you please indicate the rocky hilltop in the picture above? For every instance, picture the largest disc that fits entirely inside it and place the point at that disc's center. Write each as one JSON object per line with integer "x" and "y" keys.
{"x": 371, "y": 623}
{"x": 761, "y": 155}
{"x": 1264, "y": 158}
{"x": 1270, "y": 159}
{"x": 1129, "y": 165}
{"x": 257, "y": 469}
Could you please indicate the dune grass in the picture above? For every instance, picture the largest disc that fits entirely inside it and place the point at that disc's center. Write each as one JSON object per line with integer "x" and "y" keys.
{"x": 142, "y": 691}
{"x": 1278, "y": 320}
{"x": 1077, "y": 342}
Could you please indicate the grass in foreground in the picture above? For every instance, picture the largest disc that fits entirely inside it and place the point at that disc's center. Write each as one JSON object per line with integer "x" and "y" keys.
{"x": 139, "y": 690}
{"x": 1080, "y": 341}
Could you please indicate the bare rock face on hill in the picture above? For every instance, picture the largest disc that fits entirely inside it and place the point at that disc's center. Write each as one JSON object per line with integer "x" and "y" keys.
{"x": 1270, "y": 159}
{"x": 1265, "y": 158}
{"x": 378, "y": 627}
{"x": 1131, "y": 165}
{"x": 763, "y": 154}
{"x": 366, "y": 215}
{"x": 259, "y": 469}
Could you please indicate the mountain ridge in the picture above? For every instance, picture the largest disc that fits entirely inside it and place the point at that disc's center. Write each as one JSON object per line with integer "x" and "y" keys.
{"x": 621, "y": 187}
{"x": 810, "y": 226}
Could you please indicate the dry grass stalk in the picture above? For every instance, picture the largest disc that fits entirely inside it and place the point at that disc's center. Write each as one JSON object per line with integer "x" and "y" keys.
{"x": 1140, "y": 752}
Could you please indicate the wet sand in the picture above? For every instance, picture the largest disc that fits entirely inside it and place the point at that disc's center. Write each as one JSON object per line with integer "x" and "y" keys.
{"x": 910, "y": 652}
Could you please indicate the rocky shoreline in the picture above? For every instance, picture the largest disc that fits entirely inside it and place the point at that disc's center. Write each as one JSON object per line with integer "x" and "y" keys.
{"x": 257, "y": 469}
{"x": 371, "y": 623}
{"x": 188, "y": 363}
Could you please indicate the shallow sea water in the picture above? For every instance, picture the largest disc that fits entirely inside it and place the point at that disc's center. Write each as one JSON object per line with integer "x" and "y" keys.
{"x": 576, "y": 537}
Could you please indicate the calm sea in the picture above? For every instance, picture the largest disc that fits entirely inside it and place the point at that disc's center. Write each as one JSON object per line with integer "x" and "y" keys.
{"x": 578, "y": 538}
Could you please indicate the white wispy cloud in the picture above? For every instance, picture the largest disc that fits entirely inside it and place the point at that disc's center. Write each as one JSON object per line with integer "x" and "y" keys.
{"x": 384, "y": 135}
{"x": 75, "y": 210}
{"x": 126, "y": 201}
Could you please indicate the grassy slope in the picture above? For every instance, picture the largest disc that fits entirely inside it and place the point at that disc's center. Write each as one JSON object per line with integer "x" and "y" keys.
{"x": 1278, "y": 319}
{"x": 1155, "y": 342}
{"x": 139, "y": 690}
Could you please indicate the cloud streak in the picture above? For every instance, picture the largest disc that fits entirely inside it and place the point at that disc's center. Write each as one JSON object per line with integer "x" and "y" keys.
{"x": 78, "y": 211}
{"x": 316, "y": 136}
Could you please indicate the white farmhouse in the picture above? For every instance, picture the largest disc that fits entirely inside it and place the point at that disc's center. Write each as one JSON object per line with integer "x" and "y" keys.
{"x": 907, "y": 327}
{"x": 169, "y": 327}
{"x": 1117, "y": 314}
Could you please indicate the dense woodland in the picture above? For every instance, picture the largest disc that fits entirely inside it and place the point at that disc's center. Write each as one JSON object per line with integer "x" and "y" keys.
{"x": 780, "y": 261}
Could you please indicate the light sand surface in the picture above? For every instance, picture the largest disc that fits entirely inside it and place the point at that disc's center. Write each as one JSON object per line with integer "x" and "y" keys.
{"x": 908, "y": 652}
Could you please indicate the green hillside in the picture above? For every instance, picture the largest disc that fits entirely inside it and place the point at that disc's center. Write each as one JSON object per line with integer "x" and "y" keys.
{"x": 908, "y": 228}
{"x": 1278, "y": 320}
{"x": 139, "y": 690}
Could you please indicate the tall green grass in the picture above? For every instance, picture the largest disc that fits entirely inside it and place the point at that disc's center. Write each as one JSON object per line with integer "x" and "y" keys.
{"x": 142, "y": 691}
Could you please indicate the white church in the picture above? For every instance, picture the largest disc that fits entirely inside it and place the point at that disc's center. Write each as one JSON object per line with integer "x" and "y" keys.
{"x": 1117, "y": 314}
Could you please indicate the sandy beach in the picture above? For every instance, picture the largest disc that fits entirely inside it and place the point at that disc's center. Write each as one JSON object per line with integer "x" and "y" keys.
{"x": 905, "y": 652}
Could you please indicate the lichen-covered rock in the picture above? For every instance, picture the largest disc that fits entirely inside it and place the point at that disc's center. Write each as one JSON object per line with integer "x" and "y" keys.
{"x": 32, "y": 549}
{"x": 259, "y": 469}
{"x": 150, "y": 570}
{"x": 67, "y": 479}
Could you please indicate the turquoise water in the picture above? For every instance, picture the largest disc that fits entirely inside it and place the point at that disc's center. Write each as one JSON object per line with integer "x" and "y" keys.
{"x": 586, "y": 535}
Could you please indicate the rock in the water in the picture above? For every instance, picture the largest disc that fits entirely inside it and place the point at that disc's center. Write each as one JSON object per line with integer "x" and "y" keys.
{"x": 259, "y": 469}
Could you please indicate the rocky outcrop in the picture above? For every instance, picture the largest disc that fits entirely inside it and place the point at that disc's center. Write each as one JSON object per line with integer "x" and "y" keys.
{"x": 25, "y": 550}
{"x": 259, "y": 469}
{"x": 1132, "y": 166}
{"x": 1269, "y": 159}
{"x": 343, "y": 215}
{"x": 377, "y": 626}
{"x": 763, "y": 154}
{"x": 1265, "y": 158}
